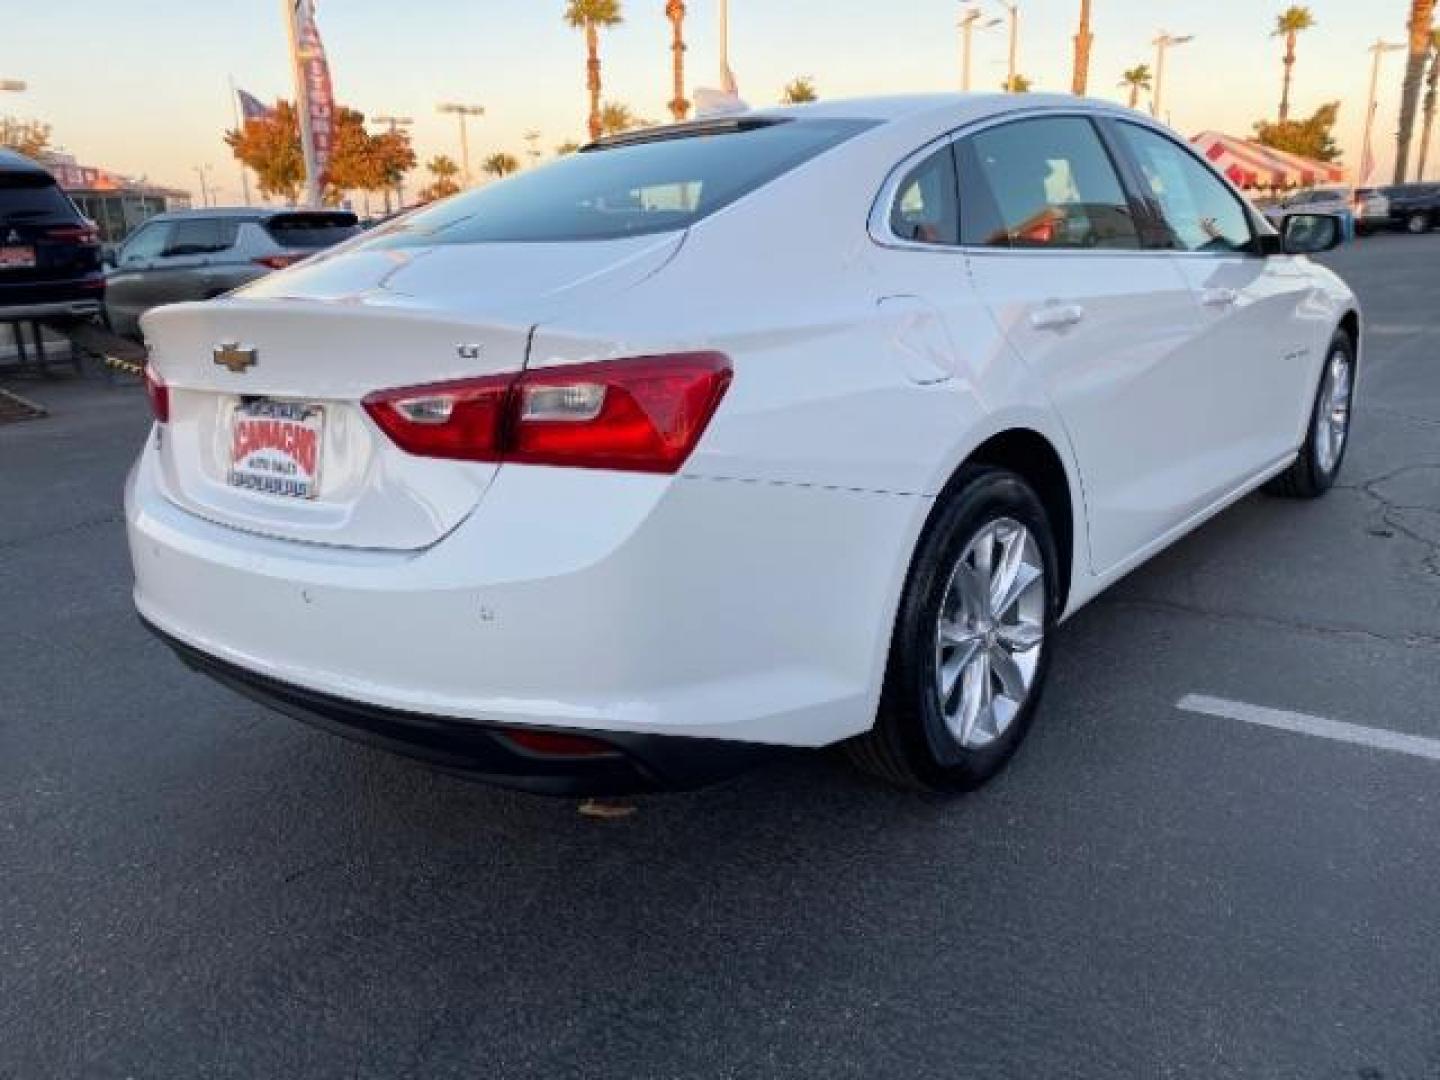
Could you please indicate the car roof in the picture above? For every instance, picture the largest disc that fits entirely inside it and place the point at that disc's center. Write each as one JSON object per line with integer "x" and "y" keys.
{"x": 12, "y": 162}
{"x": 964, "y": 107}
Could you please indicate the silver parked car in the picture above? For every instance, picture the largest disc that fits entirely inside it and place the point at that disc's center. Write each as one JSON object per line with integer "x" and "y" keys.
{"x": 202, "y": 254}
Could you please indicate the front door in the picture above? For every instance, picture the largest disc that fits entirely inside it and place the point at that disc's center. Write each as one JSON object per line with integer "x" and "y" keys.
{"x": 1253, "y": 335}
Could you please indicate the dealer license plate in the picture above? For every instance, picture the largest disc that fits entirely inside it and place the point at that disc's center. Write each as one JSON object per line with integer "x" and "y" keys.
{"x": 17, "y": 258}
{"x": 275, "y": 448}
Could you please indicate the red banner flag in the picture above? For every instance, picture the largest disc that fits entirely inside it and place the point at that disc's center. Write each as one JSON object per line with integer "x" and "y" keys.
{"x": 317, "y": 104}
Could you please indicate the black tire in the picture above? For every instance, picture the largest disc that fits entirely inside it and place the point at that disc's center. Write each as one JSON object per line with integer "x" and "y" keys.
{"x": 1307, "y": 478}
{"x": 1417, "y": 223}
{"x": 910, "y": 745}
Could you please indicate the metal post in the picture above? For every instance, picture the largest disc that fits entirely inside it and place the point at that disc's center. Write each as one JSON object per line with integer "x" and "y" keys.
{"x": 1014, "y": 10}
{"x": 464, "y": 112}
{"x": 235, "y": 109}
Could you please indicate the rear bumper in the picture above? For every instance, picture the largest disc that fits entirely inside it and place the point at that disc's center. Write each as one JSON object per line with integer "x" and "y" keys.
{"x": 638, "y": 763}
{"x": 612, "y": 604}
{"x": 60, "y": 310}
{"x": 80, "y": 298}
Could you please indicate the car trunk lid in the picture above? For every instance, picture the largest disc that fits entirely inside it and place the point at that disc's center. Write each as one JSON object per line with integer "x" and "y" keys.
{"x": 270, "y": 382}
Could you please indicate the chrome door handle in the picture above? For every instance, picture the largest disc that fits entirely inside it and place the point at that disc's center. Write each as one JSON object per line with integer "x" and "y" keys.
{"x": 1057, "y": 317}
{"x": 1219, "y": 297}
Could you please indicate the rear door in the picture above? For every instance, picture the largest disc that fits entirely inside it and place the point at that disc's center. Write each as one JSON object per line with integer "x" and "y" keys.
{"x": 40, "y": 233}
{"x": 1252, "y": 339}
{"x": 187, "y": 267}
{"x": 1055, "y": 251}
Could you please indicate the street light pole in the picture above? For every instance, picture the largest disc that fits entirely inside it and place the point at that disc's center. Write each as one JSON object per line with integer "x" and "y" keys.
{"x": 200, "y": 171}
{"x": 464, "y": 112}
{"x": 1367, "y": 152}
{"x": 395, "y": 123}
{"x": 1163, "y": 44}
{"x": 967, "y": 33}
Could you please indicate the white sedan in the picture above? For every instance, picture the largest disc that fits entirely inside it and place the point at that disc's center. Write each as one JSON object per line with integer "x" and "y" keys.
{"x": 787, "y": 429}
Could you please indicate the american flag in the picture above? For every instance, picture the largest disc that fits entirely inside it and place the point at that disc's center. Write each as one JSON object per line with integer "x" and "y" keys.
{"x": 252, "y": 108}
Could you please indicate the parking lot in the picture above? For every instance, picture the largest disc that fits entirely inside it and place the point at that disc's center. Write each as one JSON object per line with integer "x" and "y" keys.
{"x": 1212, "y": 858}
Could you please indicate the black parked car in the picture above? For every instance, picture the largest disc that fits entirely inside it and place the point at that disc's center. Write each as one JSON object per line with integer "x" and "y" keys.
{"x": 1412, "y": 207}
{"x": 49, "y": 252}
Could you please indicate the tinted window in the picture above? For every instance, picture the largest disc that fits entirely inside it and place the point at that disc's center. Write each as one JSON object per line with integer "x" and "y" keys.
{"x": 312, "y": 230}
{"x": 926, "y": 209}
{"x": 202, "y": 236}
{"x": 146, "y": 244}
{"x": 1201, "y": 213}
{"x": 31, "y": 196}
{"x": 657, "y": 185}
{"x": 1052, "y": 185}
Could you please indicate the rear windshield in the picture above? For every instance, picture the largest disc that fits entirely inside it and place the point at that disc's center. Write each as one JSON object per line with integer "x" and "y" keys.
{"x": 312, "y": 230}
{"x": 648, "y": 185}
{"x": 29, "y": 195}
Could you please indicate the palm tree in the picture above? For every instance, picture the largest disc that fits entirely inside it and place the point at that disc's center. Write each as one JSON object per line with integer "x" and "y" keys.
{"x": 675, "y": 12}
{"x": 1083, "y": 40}
{"x": 617, "y": 118}
{"x": 1422, "y": 19}
{"x": 501, "y": 165}
{"x": 1137, "y": 79}
{"x": 799, "y": 91}
{"x": 1290, "y": 24}
{"x": 566, "y": 148}
{"x": 592, "y": 16}
{"x": 1432, "y": 88}
{"x": 444, "y": 170}
{"x": 1018, "y": 85}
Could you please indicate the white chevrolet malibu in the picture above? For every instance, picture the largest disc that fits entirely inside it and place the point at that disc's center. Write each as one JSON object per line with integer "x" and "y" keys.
{"x": 788, "y": 429}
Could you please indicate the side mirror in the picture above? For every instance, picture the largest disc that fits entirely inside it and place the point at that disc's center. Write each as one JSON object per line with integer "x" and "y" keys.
{"x": 1310, "y": 234}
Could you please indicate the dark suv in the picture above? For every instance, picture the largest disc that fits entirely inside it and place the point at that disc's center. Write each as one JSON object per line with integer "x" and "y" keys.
{"x": 1412, "y": 207}
{"x": 49, "y": 252}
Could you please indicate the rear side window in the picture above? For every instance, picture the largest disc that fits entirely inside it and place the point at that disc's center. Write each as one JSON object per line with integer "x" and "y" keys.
{"x": 202, "y": 236}
{"x": 312, "y": 230}
{"x": 1201, "y": 213}
{"x": 31, "y": 195}
{"x": 1050, "y": 184}
{"x": 635, "y": 188}
{"x": 926, "y": 209}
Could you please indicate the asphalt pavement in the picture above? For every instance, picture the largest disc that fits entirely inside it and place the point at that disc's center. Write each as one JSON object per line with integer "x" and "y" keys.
{"x": 193, "y": 887}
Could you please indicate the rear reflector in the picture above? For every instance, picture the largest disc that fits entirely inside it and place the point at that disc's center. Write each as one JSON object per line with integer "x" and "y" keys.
{"x": 159, "y": 395}
{"x": 556, "y": 745}
{"x": 640, "y": 415}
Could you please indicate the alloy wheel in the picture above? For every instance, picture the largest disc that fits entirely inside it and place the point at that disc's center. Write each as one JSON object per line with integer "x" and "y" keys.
{"x": 1332, "y": 426}
{"x": 990, "y": 633}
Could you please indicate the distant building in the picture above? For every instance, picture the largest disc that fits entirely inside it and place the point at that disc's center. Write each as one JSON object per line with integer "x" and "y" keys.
{"x": 117, "y": 204}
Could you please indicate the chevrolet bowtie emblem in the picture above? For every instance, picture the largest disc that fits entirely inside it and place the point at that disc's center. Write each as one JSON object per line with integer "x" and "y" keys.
{"x": 236, "y": 357}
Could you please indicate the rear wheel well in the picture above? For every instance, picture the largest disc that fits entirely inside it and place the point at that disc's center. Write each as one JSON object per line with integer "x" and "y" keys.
{"x": 1031, "y": 456}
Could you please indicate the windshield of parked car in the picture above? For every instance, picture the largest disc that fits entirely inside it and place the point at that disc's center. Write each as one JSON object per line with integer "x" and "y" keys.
{"x": 640, "y": 185}
{"x": 30, "y": 195}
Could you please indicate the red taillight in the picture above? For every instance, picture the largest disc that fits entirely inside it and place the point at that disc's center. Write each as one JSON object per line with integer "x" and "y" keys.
{"x": 460, "y": 420}
{"x": 278, "y": 262}
{"x": 73, "y": 234}
{"x": 558, "y": 745}
{"x": 640, "y": 415}
{"x": 159, "y": 395}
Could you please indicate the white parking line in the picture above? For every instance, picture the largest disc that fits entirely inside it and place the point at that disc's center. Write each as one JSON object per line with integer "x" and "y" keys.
{"x": 1301, "y": 724}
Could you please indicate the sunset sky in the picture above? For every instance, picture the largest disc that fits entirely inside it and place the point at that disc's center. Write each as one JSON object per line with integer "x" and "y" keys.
{"x": 141, "y": 87}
